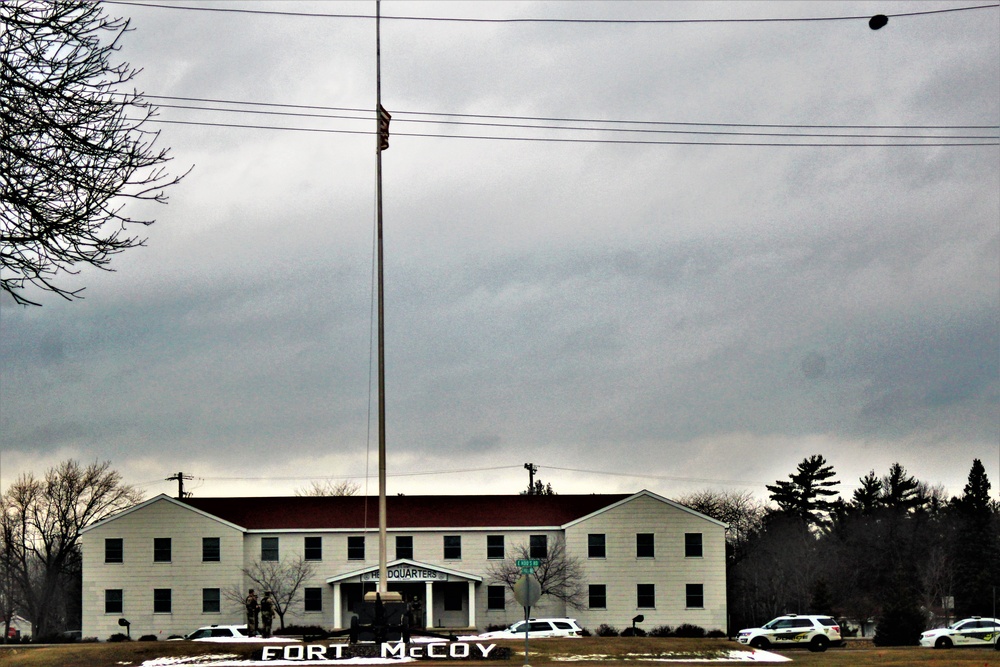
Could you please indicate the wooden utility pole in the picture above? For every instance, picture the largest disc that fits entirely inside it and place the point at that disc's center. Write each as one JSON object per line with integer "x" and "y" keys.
{"x": 179, "y": 478}
{"x": 532, "y": 469}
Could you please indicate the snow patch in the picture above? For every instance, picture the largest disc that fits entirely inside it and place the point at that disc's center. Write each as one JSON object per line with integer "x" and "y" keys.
{"x": 727, "y": 656}
{"x": 231, "y": 661}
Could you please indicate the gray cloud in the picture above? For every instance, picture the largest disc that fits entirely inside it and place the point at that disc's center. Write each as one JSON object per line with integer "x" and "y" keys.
{"x": 663, "y": 310}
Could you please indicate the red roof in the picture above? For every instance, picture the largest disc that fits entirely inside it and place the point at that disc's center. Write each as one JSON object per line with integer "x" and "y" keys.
{"x": 349, "y": 512}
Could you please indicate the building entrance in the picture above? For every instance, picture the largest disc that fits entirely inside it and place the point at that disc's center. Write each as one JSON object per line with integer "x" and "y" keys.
{"x": 414, "y": 594}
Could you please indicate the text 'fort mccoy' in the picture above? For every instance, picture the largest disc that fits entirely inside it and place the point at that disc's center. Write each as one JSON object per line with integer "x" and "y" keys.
{"x": 428, "y": 651}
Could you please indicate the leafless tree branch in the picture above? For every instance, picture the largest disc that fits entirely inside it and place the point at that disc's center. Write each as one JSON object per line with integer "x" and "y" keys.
{"x": 73, "y": 144}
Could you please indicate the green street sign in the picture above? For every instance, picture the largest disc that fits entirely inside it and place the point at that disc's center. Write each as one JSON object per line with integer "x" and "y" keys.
{"x": 528, "y": 562}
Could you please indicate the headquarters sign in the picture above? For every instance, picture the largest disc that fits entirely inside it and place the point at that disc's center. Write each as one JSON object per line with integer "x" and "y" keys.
{"x": 407, "y": 573}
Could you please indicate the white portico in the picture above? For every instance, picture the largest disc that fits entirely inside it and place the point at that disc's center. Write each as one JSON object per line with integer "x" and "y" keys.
{"x": 446, "y": 597}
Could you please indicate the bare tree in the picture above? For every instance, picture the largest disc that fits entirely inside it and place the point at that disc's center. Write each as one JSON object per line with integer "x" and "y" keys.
{"x": 283, "y": 579}
{"x": 329, "y": 487}
{"x": 741, "y": 510}
{"x": 8, "y": 583}
{"x": 43, "y": 519}
{"x": 73, "y": 147}
{"x": 560, "y": 575}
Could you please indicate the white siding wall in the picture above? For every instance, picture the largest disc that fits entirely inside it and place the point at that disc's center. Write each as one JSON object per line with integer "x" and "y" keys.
{"x": 186, "y": 575}
{"x": 668, "y": 570}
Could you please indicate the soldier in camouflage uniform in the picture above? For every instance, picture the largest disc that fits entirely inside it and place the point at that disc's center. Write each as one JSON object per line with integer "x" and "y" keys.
{"x": 267, "y": 612}
{"x": 253, "y": 608}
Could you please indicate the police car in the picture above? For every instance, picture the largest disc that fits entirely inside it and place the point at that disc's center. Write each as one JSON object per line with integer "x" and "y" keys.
{"x": 219, "y": 633}
{"x": 973, "y": 631}
{"x": 817, "y": 633}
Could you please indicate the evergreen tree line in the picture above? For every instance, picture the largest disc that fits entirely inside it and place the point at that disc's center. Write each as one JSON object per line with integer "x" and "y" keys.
{"x": 897, "y": 553}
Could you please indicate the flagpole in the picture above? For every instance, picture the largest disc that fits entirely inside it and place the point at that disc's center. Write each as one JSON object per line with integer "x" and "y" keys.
{"x": 383, "y": 578}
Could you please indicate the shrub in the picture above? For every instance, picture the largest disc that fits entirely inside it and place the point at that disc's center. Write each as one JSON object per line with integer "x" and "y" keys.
{"x": 304, "y": 631}
{"x": 661, "y": 631}
{"x": 147, "y": 638}
{"x": 901, "y": 628}
{"x": 715, "y": 634}
{"x": 493, "y": 627}
{"x": 605, "y": 630}
{"x": 67, "y": 637}
{"x": 633, "y": 632}
{"x": 688, "y": 630}
{"x": 119, "y": 637}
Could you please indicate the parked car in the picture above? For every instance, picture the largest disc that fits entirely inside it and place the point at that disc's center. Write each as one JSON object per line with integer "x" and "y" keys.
{"x": 219, "y": 633}
{"x": 817, "y": 633}
{"x": 538, "y": 628}
{"x": 973, "y": 631}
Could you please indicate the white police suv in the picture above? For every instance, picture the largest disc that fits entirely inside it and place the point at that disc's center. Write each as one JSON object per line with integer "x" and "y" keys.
{"x": 973, "y": 631}
{"x": 817, "y": 633}
{"x": 219, "y": 633}
{"x": 538, "y": 628}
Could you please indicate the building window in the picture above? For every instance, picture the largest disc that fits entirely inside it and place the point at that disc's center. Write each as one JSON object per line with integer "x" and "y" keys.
{"x": 453, "y": 547}
{"x": 313, "y": 599}
{"x": 114, "y": 601}
{"x": 645, "y": 596}
{"x": 404, "y": 546}
{"x": 114, "y": 550}
{"x": 161, "y": 549}
{"x": 454, "y": 593}
{"x": 595, "y": 545}
{"x": 494, "y": 547}
{"x": 496, "y": 598}
{"x": 211, "y": 600}
{"x": 598, "y": 596}
{"x": 161, "y": 600}
{"x": 692, "y": 545}
{"x": 314, "y": 548}
{"x": 695, "y": 594}
{"x": 356, "y": 547}
{"x": 644, "y": 545}
{"x": 211, "y": 552}
{"x": 538, "y": 546}
{"x": 269, "y": 549}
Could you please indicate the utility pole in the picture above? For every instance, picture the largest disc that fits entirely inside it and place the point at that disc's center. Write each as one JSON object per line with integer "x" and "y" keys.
{"x": 179, "y": 478}
{"x": 532, "y": 469}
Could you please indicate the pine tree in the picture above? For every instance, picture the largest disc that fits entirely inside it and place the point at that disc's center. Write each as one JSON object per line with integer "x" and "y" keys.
{"x": 899, "y": 490}
{"x": 868, "y": 496}
{"x": 976, "y": 550}
{"x": 806, "y": 494}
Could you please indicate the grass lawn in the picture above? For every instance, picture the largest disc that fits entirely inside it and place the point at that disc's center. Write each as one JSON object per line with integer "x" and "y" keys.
{"x": 549, "y": 652}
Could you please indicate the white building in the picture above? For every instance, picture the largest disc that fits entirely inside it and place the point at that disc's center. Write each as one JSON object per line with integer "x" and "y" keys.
{"x": 166, "y": 564}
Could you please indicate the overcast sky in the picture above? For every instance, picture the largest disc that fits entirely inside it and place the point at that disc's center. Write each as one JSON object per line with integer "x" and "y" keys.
{"x": 669, "y": 316}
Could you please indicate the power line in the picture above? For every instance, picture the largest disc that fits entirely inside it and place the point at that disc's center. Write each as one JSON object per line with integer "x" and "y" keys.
{"x": 567, "y": 124}
{"x": 370, "y": 116}
{"x": 453, "y": 471}
{"x": 323, "y": 15}
{"x": 647, "y": 142}
{"x": 646, "y": 130}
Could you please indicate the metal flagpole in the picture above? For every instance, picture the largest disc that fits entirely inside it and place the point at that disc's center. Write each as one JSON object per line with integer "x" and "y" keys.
{"x": 383, "y": 578}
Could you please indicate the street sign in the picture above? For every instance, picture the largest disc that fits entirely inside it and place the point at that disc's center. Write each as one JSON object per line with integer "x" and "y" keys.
{"x": 527, "y": 590}
{"x": 528, "y": 562}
